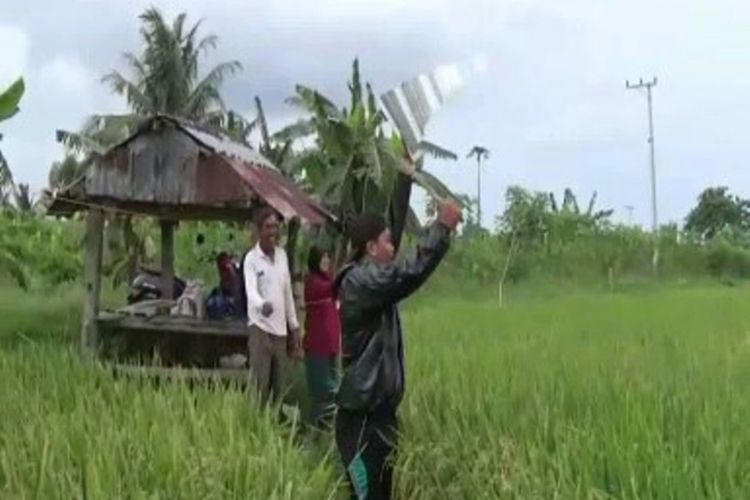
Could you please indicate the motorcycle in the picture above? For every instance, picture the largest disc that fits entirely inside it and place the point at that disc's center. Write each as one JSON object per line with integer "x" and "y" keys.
{"x": 147, "y": 286}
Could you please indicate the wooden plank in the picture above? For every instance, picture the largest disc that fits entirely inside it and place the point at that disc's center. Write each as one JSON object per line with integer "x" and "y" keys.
{"x": 92, "y": 279}
{"x": 167, "y": 258}
{"x": 240, "y": 212}
{"x": 174, "y": 324}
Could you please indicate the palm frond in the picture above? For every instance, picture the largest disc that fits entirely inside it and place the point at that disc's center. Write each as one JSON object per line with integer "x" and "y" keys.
{"x": 592, "y": 202}
{"x": 338, "y": 139}
{"x": 136, "y": 64}
{"x": 602, "y": 215}
{"x": 152, "y": 16}
{"x": 313, "y": 167}
{"x": 436, "y": 151}
{"x": 480, "y": 152}
{"x": 355, "y": 86}
{"x": 178, "y": 24}
{"x": 282, "y": 158}
{"x": 23, "y": 198}
{"x": 207, "y": 42}
{"x": 206, "y": 92}
{"x": 313, "y": 102}
{"x": 570, "y": 202}
{"x": 136, "y": 99}
{"x": 66, "y": 171}
{"x": 553, "y": 202}
{"x": 10, "y": 97}
{"x": 372, "y": 103}
{"x": 80, "y": 143}
{"x": 433, "y": 185}
{"x": 6, "y": 176}
{"x": 298, "y": 130}
{"x": 109, "y": 130}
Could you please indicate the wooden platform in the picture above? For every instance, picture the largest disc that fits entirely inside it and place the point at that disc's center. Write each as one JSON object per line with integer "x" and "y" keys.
{"x": 170, "y": 340}
{"x": 176, "y": 324}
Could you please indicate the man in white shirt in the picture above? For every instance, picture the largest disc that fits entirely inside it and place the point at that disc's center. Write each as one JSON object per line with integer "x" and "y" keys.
{"x": 272, "y": 318}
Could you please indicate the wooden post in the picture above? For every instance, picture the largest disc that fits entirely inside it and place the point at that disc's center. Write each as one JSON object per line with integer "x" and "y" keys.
{"x": 167, "y": 259}
{"x": 292, "y": 238}
{"x": 92, "y": 280}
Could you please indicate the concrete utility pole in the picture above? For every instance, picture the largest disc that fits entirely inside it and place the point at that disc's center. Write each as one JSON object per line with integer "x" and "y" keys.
{"x": 654, "y": 218}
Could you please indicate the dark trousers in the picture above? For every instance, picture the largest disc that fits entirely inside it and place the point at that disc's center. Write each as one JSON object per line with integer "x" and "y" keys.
{"x": 322, "y": 382}
{"x": 366, "y": 442}
{"x": 267, "y": 363}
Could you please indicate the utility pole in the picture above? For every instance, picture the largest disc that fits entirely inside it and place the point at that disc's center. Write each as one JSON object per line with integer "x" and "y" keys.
{"x": 630, "y": 209}
{"x": 648, "y": 85}
{"x": 481, "y": 153}
{"x": 479, "y": 190}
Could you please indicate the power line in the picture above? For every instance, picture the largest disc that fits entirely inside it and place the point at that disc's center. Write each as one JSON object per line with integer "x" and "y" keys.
{"x": 648, "y": 85}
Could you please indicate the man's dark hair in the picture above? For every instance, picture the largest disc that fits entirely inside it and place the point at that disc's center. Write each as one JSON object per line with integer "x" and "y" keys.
{"x": 363, "y": 229}
{"x": 262, "y": 216}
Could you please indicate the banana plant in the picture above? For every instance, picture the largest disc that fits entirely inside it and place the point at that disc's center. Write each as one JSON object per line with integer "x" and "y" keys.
{"x": 9, "y": 100}
{"x": 354, "y": 163}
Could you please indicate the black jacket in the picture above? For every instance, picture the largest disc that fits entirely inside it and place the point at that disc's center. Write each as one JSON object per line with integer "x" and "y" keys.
{"x": 372, "y": 347}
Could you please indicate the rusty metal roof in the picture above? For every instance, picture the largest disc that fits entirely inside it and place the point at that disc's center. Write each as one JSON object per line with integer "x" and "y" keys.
{"x": 219, "y": 143}
{"x": 282, "y": 194}
{"x": 212, "y": 140}
{"x": 227, "y": 179}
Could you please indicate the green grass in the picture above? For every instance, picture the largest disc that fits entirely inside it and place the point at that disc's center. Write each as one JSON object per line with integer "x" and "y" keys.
{"x": 641, "y": 394}
{"x": 632, "y": 396}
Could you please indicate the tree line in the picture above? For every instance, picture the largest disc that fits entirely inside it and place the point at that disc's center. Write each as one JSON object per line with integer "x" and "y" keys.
{"x": 341, "y": 154}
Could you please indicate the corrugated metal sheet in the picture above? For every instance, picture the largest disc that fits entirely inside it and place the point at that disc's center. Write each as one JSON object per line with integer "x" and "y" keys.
{"x": 227, "y": 147}
{"x": 282, "y": 194}
{"x": 411, "y": 104}
{"x": 211, "y": 140}
{"x": 184, "y": 170}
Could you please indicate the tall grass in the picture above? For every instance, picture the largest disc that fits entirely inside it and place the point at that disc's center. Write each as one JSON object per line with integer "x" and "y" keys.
{"x": 633, "y": 395}
{"x": 69, "y": 429}
{"x": 629, "y": 396}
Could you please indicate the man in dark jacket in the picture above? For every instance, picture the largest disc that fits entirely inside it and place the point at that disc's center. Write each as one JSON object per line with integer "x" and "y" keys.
{"x": 372, "y": 386}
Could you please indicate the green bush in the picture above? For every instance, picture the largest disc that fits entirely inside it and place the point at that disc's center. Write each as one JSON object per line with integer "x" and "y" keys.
{"x": 41, "y": 252}
{"x": 728, "y": 261}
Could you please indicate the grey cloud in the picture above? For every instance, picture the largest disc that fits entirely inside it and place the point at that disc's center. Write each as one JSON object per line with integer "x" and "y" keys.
{"x": 552, "y": 107}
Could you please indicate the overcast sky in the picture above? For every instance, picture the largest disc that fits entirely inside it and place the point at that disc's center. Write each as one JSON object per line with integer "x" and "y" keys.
{"x": 549, "y": 98}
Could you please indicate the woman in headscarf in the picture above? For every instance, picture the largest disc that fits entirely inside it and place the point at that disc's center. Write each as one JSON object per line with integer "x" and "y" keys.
{"x": 322, "y": 340}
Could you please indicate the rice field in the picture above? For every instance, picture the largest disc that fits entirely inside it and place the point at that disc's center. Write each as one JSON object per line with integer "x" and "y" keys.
{"x": 641, "y": 394}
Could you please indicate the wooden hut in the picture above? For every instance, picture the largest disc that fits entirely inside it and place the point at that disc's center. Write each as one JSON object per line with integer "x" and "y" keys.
{"x": 172, "y": 170}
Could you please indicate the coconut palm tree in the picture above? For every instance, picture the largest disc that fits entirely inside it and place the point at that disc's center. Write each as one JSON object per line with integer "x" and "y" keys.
{"x": 480, "y": 153}
{"x": 164, "y": 78}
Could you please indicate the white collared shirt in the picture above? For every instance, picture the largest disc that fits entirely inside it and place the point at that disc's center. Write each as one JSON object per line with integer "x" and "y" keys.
{"x": 267, "y": 280}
